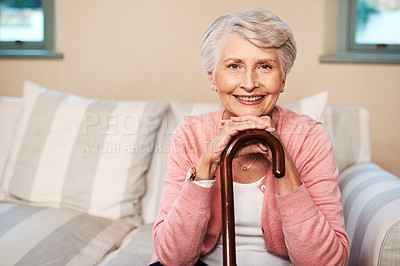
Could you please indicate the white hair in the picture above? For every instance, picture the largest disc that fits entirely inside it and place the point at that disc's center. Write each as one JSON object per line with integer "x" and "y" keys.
{"x": 261, "y": 27}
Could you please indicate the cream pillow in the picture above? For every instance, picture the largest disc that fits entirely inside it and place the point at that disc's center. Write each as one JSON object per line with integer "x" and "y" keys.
{"x": 10, "y": 109}
{"x": 313, "y": 106}
{"x": 82, "y": 154}
{"x": 182, "y": 110}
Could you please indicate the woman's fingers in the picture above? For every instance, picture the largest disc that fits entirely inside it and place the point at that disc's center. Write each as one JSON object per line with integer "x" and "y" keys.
{"x": 249, "y": 122}
{"x": 259, "y": 122}
{"x": 231, "y": 127}
{"x": 236, "y": 124}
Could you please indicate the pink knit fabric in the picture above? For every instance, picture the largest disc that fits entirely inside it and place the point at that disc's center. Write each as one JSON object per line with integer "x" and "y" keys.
{"x": 307, "y": 224}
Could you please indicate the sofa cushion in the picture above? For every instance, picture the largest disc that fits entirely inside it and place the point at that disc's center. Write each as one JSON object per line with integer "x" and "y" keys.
{"x": 82, "y": 154}
{"x": 46, "y": 236}
{"x": 137, "y": 249}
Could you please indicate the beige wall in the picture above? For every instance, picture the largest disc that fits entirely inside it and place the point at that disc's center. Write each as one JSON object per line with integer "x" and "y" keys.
{"x": 127, "y": 49}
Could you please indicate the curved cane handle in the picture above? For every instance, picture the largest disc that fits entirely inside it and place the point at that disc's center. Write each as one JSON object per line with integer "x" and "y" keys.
{"x": 228, "y": 216}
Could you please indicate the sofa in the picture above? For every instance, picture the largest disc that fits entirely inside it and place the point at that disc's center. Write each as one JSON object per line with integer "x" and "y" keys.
{"x": 80, "y": 179}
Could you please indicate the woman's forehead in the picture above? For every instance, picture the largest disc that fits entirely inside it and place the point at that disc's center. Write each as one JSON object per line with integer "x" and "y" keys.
{"x": 235, "y": 47}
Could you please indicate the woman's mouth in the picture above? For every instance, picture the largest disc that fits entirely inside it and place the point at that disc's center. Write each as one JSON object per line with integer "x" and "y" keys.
{"x": 249, "y": 99}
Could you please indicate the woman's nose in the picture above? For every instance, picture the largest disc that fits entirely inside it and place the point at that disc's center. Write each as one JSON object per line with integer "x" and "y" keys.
{"x": 250, "y": 80}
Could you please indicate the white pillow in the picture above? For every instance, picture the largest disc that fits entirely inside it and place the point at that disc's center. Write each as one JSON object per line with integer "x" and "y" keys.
{"x": 182, "y": 110}
{"x": 82, "y": 154}
{"x": 10, "y": 109}
{"x": 313, "y": 106}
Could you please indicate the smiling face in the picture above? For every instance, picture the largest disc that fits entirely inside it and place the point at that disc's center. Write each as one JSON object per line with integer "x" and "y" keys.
{"x": 248, "y": 79}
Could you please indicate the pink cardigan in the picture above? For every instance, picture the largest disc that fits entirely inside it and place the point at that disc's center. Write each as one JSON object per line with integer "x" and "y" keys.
{"x": 306, "y": 225}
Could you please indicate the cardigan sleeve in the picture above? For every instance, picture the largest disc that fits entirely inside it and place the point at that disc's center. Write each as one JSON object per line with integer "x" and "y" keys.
{"x": 312, "y": 215}
{"x": 184, "y": 210}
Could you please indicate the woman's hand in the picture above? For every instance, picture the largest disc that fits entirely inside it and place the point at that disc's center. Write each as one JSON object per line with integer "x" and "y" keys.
{"x": 210, "y": 159}
{"x": 291, "y": 180}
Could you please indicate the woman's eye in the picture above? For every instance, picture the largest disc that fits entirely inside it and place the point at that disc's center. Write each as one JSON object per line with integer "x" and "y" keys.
{"x": 234, "y": 66}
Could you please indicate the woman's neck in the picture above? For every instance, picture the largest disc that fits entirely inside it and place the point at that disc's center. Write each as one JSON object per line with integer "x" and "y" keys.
{"x": 258, "y": 163}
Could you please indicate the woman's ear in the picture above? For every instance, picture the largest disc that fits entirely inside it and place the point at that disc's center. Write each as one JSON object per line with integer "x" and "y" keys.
{"x": 212, "y": 81}
{"x": 283, "y": 84}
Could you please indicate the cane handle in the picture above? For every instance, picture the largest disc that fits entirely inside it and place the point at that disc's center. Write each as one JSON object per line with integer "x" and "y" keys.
{"x": 278, "y": 170}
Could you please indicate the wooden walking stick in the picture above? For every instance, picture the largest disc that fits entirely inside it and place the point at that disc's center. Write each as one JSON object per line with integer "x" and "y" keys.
{"x": 228, "y": 216}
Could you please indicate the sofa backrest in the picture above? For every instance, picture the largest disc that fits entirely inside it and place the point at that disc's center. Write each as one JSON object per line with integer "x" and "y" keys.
{"x": 348, "y": 126}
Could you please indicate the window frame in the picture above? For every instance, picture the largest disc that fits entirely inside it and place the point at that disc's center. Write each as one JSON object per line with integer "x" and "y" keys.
{"x": 349, "y": 51}
{"x": 43, "y": 49}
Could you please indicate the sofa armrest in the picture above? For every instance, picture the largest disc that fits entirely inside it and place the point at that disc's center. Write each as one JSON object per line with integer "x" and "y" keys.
{"x": 371, "y": 205}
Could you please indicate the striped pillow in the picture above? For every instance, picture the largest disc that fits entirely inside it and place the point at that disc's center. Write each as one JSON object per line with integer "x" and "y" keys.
{"x": 82, "y": 154}
{"x": 46, "y": 236}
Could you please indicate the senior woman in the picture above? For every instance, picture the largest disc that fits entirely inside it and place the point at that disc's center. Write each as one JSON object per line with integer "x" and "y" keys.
{"x": 297, "y": 219}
